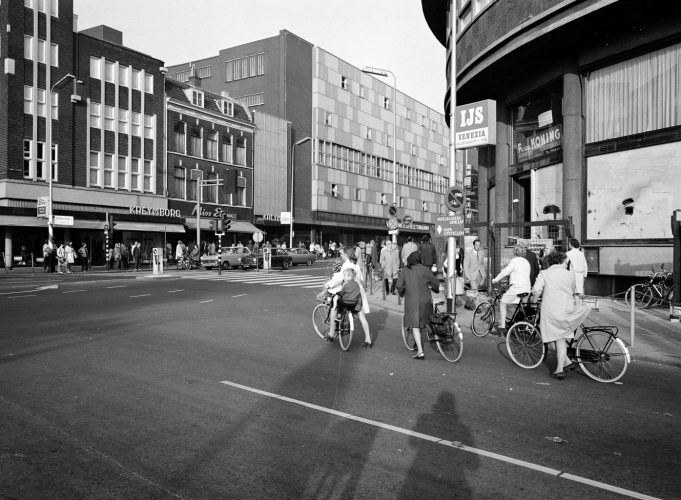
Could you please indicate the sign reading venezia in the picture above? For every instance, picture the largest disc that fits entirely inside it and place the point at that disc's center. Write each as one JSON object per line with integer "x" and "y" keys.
{"x": 475, "y": 124}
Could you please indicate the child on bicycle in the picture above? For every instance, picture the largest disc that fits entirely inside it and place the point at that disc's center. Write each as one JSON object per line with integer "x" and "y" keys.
{"x": 347, "y": 295}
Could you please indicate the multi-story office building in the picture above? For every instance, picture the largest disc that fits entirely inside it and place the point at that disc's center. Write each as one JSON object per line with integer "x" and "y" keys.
{"x": 210, "y": 139}
{"x": 343, "y": 178}
{"x": 91, "y": 111}
{"x": 588, "y": 121}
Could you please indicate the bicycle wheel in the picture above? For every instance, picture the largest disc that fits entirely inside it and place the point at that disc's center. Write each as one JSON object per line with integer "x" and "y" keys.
{"x": 641, "y": 295}
{"x": 408, "y": 337}
{"x": 483, "y": 319}
{"x": 601, "y": 356}
{"x": 651, "y": 298}
{"x": 524, "y": 345}
{"x": 451, "y": 344}
{"x": 345, "y": 330}
{"x": 320, "y": 320}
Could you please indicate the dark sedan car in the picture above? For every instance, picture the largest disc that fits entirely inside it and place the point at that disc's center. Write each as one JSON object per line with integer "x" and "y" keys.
{"x": 280, "y": 258}
{"x": 302, "y": 256}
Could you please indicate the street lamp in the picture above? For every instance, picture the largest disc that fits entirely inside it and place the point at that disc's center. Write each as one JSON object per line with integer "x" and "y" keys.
{"x": 385, "y": 72}
{"x": 48, "y": 140}
{"x": 293, "y": 169}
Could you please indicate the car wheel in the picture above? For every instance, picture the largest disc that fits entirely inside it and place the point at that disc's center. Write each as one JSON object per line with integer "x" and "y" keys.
{"x": 309, "y": 262}
{"x": 284, "y": 265}
{"x": 226, "y": 265}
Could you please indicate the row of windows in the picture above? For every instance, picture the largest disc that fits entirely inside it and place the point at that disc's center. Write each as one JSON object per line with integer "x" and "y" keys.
{"x": 245, "y": 67}
{"x": 126, "y": 76}
{"x": 41, "y": 6}
{"x": 35, "y": 49}
{"x": 198, "y": 99}
{"x": 351, "y": 160}
{"x": 186, "y": 189}
{"x": 122, "y": 172}
{"x": 381, "y": 198}
{"x": 183, "y": 76}
{"x": 35, "y": 162}
{"x": 468, "y": 10}
{"x": 128, "y": 121}
{"x": 35, "y": 104}
{"x": 251, "y": 100}
{"x": 188, "y": 140}
{"x": 386, "y": 102}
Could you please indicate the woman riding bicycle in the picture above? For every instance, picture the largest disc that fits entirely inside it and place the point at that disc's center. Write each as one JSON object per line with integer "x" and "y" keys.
{"x": 561, "y": 314}
{"x": 415, "y": 282}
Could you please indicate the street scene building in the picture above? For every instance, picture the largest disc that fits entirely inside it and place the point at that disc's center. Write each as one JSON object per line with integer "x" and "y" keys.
{"x": 587, "y": 126}
{"x": 342, "y": 181}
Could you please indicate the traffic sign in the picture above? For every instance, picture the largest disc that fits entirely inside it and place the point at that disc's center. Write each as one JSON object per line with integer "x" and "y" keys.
{"x": 391, "y": 223}
{"x": 406, "y": 220}
{"x": 449, "y": 225}
{"x": 257, "y": 237}
{"x": 455, "y": 199}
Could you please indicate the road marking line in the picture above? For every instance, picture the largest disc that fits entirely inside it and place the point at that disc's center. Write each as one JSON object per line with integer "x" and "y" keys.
{"x": 453, "y": 444}
{"x": 143, "y": 295}
{"x": 20, "y": 296}
{"x": 20, "y": 291}
{"x": 75, "y": 291}
{"x": 206, "y": 301}
{"x": 117, "y": 286}
{"x": 175, "y": 291}
{"x": 240, "y": 295}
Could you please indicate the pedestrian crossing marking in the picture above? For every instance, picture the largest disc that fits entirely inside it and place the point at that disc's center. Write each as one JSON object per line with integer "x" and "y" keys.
{"x": 290, "y": 281}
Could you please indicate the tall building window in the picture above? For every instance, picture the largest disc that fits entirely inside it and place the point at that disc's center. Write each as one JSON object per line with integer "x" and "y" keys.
{"x": 245, "y": 67}
{"x": 240, "y": 151}
{"x": 136, "y": 124}
{"x": 28, "y": 157}
{"x": 135, "y": 174}
{"x": 210, "y": 194}
{"x": 123, "y": 121}
{"x": 123, "y": 75}
{"x": 95, "y": 68}
{"x": 195, "y": 142}
{"x": 227, "y": 149}
{"x": 149, "y": 122}
{"x": 28, "y": 47}
{"x": 179, "y": 137}
{"x": 212, "y": 145}
{"x": 40, "y": 102}
{"x": 148, "y": 176}
{"x": 148, "y": 83}
{"x": 122, "y": 172}
{"x": 344, "y": 83}
{"x": 95, "y": 178}
{"x": 178, "y": 185}
{"x": 197, "y": 98}
{"x": 109, "y": 118}
{"x": 136, "y": 80}
{"x": 95, "y": 115}
{"x": 108, "y": 170}
{"x": 109, "y": 71}
{"x": 28, "y": 100}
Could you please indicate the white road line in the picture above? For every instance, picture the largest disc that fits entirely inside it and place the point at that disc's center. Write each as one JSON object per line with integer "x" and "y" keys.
{"x": 20, "y": 296}
{"x": 143, "y": 295}
{"x": 20, "y": 291}
{"x": 175, "y": 291}
{"x": 453, "y": 444}
{"x": 117, "y": 286}
{"x": 240, "y": 295}
{"x": 75, "y": 291}
{"x": 206, "y": 301}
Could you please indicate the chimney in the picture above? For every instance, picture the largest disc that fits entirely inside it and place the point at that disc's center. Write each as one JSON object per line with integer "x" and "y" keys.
{"x": 193, "y": 79}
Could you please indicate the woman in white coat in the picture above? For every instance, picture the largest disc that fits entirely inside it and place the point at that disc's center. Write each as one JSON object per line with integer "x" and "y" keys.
{"x": 561, "y": 314}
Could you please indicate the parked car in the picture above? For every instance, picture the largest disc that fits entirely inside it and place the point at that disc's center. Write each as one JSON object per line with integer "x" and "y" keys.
{"x": 231, "y": 257}
{"x": 280, "y": 258}
{"x": 302, "y": 256}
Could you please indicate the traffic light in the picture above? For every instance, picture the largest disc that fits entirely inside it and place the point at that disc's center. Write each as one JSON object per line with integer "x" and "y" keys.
{"x": 112, "y": 223}
{"x": 226, "y": 223}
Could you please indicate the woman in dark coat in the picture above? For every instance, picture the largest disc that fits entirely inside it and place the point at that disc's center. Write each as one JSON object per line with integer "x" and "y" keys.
{"x": 415, "y": 282}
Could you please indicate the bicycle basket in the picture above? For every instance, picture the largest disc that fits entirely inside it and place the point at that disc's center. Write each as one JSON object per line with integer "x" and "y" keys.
{"x": 438, "y": 324}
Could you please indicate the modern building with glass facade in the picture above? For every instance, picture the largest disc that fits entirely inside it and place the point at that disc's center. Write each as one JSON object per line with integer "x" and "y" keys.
{"x": 588, "y": 119}
{"x": 343, "y": 177}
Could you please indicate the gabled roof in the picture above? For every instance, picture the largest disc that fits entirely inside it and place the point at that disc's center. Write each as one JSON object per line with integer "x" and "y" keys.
{"x": 211, "y": 101}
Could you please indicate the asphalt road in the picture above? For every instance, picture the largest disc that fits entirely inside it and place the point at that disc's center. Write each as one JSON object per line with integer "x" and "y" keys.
{"x": 113, "y": 387}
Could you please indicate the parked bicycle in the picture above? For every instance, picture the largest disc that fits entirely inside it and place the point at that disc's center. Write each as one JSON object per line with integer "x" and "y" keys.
{"x": 345, "y": 324}
{"x": 442, "y": 330}
{"x": 485, "y": 313}
{"x": 600, "y": 354}
{"x": 186, "y": 263}
{"x": 657, "y": 291}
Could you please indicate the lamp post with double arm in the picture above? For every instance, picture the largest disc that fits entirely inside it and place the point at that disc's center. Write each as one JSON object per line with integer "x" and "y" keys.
{"x": 385, "y": 72}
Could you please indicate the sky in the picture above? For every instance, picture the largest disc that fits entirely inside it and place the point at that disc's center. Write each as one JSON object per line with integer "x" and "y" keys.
{"x": 386, "y": 34}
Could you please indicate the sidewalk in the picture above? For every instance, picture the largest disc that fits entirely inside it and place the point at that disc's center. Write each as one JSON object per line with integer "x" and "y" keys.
{"x": 656, "y": 339}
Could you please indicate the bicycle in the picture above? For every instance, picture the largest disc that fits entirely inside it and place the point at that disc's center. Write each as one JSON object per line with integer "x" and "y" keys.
{"x": 345, "y": 324}
{"x": 600, "y": 354}
{"x": 657, "y": 291}
{"x": 186, "y": 263}
{"x": 443, "y": 330}
{"x": 485, "y": 313}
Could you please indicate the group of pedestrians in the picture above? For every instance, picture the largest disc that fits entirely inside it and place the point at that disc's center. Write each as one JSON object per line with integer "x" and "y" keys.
{"x": 121, "y": 254}
{"x": 65, "y": 256}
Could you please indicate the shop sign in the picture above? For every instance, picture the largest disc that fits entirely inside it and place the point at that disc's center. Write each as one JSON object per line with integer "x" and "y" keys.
{"x": 285, "y": 217}
{"x": 476, "y": 124}
{"x": 213, "y": 213}
{"x": 42, "y": 207}
{"x": 156, "y": 211}
{"x": 540, "y": 144}
{"x": 272, "y": 217}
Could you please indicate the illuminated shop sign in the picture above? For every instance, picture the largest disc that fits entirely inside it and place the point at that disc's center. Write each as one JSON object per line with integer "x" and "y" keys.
{"x": 540, "y": 144}
{"x": 476, "y": 124}
{"x": 156, "y": 211}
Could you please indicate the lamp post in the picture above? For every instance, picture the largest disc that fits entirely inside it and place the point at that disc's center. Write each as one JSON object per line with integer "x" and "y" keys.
{"x": 293, "y": 169}
{"x": 48, "y": 146}
{"x": 385, "y": 72}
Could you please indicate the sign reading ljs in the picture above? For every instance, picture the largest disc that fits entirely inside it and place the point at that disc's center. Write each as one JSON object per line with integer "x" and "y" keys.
{"x": 476, "y": 124}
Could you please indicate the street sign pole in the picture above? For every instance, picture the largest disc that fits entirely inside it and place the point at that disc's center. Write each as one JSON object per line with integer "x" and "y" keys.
{"x": 220, "y": 254}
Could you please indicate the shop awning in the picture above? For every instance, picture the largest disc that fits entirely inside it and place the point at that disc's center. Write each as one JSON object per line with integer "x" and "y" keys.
{"x": 237, "y": 226}
{"x": 148, "y": 227}
{"x": 27, "y": 221}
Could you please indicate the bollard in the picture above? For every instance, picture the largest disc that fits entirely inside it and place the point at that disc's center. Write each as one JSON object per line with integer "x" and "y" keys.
{"x": 632, "y": 320}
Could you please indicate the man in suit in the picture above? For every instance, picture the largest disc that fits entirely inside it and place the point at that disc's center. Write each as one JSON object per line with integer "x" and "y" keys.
{"x": 474, "y": 270}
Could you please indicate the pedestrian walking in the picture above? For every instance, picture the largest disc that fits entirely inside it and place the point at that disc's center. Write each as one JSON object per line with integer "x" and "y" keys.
{"x": 137, "y": 255}
{"x": 415, "y": 284}
{"x": 408, "y": 248}
{"x": 84, "y": 258}
{"x": 70, "y": 254}
{"x": 560, "y": 314}
{"x": 534, "y": 262}
{"x": 61, "y": 259}
{"x": 47, "y": 254}
{"x": 117, "y": 256}
{"x": 474, "y": 270}
{"x": 125, "y": 257}
{"x": 390, "y": 266}
{"x": 577, "y": 264}
{"x": 428, "y": 253}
